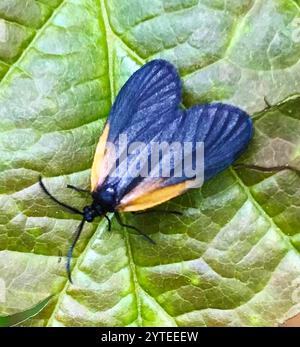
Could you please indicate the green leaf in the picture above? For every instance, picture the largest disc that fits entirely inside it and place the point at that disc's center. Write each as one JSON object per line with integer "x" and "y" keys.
{"x": 18, "y": 318}
{"x": 233, "y": 257}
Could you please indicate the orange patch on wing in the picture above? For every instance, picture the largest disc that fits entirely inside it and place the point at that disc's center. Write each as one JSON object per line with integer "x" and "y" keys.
{"x": 147, "y": 195}
{"x": 99, "y": 163}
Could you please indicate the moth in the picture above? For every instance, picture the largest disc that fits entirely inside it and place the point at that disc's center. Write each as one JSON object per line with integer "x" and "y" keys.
{"x": 147, "y": 110}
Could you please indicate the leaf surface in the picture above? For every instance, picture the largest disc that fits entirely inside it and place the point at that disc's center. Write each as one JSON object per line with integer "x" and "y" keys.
{"x": 233, "y": 257}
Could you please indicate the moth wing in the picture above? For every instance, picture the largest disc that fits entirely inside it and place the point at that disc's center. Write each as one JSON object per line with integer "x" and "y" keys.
{"x": 224, "y": 130}
{"x": 148, "y": 100}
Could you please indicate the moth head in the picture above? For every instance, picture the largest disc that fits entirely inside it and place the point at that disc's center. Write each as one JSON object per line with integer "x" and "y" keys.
{"x": 91, "y": 212}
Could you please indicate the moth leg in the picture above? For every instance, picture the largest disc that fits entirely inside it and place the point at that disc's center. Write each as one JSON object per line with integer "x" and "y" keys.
{"x": 109, "y": 222}
{"x": 267, "y": 169}
{"x": 118, "y": 217}
{"x": 267, "y": 103}
{"x": 59, "y": 255}
{"x": 177, "y": 213}
{"x": 79, "y": 190}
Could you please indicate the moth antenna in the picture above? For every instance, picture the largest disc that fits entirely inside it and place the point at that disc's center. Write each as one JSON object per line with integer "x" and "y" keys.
{"x": 70, "y": 252}
{"x": 46, "y": 191}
